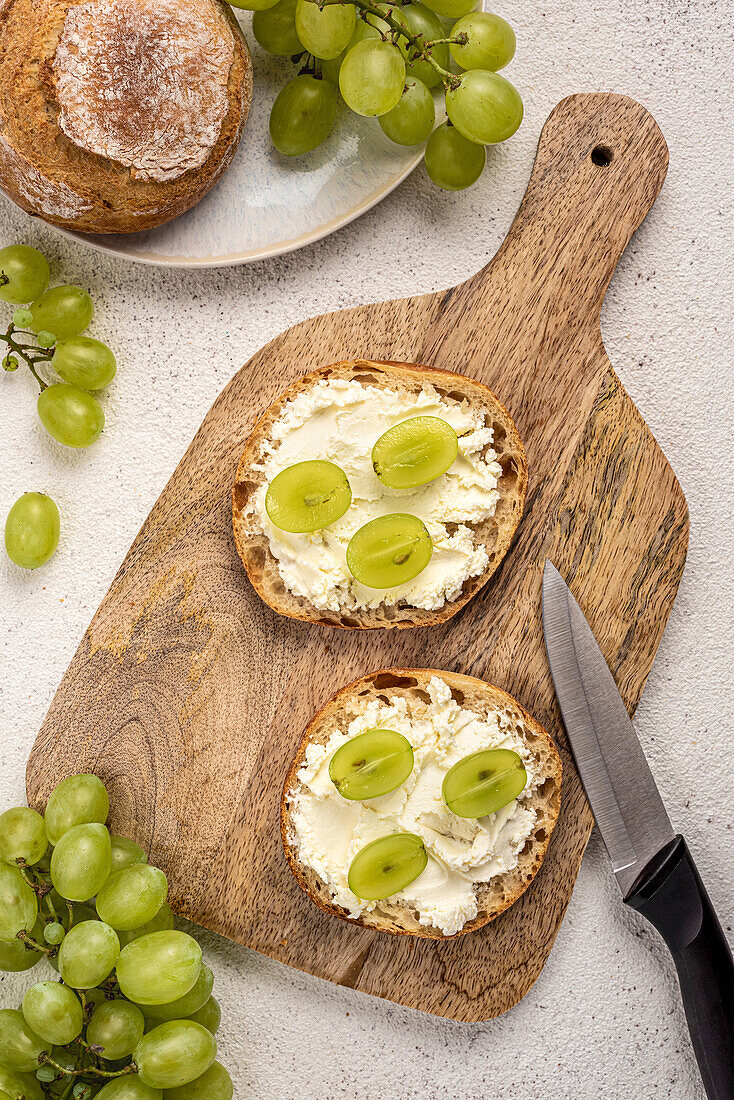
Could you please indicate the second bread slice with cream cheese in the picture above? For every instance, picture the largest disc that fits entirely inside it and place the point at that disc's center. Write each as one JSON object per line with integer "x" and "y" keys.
{"x": 337, "y": 413}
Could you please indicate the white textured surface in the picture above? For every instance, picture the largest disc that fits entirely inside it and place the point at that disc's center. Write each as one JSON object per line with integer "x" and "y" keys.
{"x": 604, "y": 1020}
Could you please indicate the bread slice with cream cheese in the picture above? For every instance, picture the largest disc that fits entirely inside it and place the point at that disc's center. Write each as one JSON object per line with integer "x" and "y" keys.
{"x": 477, "y": 538}
{"x": 411, "y": 693}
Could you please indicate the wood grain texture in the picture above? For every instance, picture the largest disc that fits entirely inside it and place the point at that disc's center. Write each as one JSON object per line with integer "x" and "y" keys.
{"x": 188, "y": 695}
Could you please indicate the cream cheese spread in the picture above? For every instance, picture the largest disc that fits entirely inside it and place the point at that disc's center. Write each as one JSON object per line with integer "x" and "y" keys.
{"x": 340, "y": 420}
{"x": 329, "y": 830}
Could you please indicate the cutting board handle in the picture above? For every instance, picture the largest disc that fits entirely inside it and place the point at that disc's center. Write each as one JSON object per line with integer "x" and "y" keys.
{"x": 600, "y": 164}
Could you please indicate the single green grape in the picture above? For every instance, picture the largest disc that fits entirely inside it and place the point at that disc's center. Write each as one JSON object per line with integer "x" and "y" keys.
{"x": 453, "y": 162}
{"x": 64, "y": 310}
{"x": 125, "y": 851}
{"x": 371, "y": 764}
{"x": 491, "y": 41}
{"x": 76, "y": 800}
{"x": 421, "y": 21}
{"x": 84, "y": 362}
{"x": 15, "y": 957}
{"x": 372, "y": 77}
{"x": 303, "y": 114}
{"x": 275, "y": 29}
{"x": 18, "y": 904}
{"x": 117, "y": 1027}
{"x": 209, "y": 1015}
{"x": 45, "y": 339}
{"x": 389, "y": 551}
{"x": 158, "y": 968}
{"x": 215, "y": 1084}
{"x": 163, "y": 921}
{"x": 129, "y": 1088}
{"x": 22, "y": 318}
{"x": 132, "y": 896}
{"x": 484, "y": 782}
{"x": 326, "y": 31}
{"x": 308, "y": 496}
{"x": 32, "y": 530}
{"x": 451, "y": 9}
{"x": 252, "y": 5}
{"x": 387, "y": 866}
{"x": 174, "y": 1054}
{"x": 20, "y": 1086}
{"x": 411, "y": 121}
{"x": 72, "y": 416}
{"x": 54, "y": 933}
{"x": 54, "y": 1012}
{"x": 88, "y": 954}
{"x": 184, "y": 1007}
{"x": 81, "y": 862}
{"x": 19, "y": 1044}
{"x": 414, "y": 452}
{"x": 22, "y": 835}
{"x": 485, "y": 107}
{"x": 27, "y": 272}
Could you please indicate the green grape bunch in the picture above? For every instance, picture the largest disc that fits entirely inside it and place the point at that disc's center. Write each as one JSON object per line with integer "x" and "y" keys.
{"x": 387, "y": 61}
{"x": 46, "y": 332}
{"x": 125, "y": 1010}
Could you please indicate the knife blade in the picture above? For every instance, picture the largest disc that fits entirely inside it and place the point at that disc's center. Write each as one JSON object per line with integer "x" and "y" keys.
{"x": 653, "y": 867}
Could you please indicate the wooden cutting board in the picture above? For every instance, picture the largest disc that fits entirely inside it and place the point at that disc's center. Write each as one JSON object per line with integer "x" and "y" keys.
{"x": 188, "y": 696}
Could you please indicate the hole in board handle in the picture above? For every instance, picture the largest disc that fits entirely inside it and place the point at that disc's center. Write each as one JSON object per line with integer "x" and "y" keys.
{"x": 601, "y": 156}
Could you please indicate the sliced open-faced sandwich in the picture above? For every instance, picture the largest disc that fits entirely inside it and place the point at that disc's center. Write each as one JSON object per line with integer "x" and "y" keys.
{"x": 378, "y": 495}
{"x": 420, "y": 803}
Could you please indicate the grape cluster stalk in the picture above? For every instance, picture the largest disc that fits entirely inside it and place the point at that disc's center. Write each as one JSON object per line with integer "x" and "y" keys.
{"x": 125, "y": 1010}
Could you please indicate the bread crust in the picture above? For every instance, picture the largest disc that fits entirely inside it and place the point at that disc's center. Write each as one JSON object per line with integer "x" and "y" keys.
{"x": 49, "y": 175}
{"x": 493, "y": 897}
{"x": 496, "y": 532}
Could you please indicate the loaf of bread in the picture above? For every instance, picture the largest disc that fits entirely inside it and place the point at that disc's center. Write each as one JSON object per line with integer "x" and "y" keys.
{"x": 416, "y": 691}
{"x": 118, "y": 115}
{"x": 485, "y": 534}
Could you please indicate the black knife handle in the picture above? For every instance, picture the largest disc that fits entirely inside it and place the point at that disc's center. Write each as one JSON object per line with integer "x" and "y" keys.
{"x": 672, "y": 897}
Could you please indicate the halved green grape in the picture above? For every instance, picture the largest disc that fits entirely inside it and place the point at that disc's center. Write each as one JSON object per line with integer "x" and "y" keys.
{"x": 372, "y": 77}
{"x": 15, "y": 957}
{"x": 451, "y": 9}
{"x": 184, "y": 1007}
{"x": 215, "y": 1084}
{"x": 174, "y": 1054}
{"x": 161, "y": 922}
{"x": 18, "y": 904}
{"x": 27, "y": 272}
{"x": 326, "y": 31}
{"x": 485, "y": 108}
{"x": 22, "y": 835}
{"x": 117, "y": 1027}
{"x": 54, "y": 1012}
{"x": 76, "y": 800}
{"x": 209, "y": 1016}
{"x": 386, "y": 866}
{"x": 158, "y": 968}
{"x": 64, "y": 310}
{"x": 420, "y": 20}
{"x": 275, "y": 29}
{"x": 84, "y": 362}
{"x": 19, "y": 1044}
{"x": 389, "y": 550}
{"x": 453, "y": 162}
{"x": 72, "y": 416}
{"x": 484, "y": 782}
{"x": 308, "y": 495}
{"x": 414, "y": 452}
{"x": 303, "y": 114}
{"x": 88, "y": 954}
{"x": 411, "y": 121}
{"x": 81, "y": 862}
{"x": 132, "y": 896}
{"x": 491, "y": 41}
{"x": 32, "y": 530}
{"x": 20, "y": 1086}
{"x": 371, "y": 764}
{"x": 125, "y": 852}
{"x": 129, "y": 1088}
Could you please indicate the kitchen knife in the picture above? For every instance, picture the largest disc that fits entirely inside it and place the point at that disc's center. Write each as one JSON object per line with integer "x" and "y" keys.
{"x": 653, "y": 866}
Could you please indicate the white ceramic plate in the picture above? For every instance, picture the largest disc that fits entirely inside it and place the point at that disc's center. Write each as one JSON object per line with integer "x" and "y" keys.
{"x": 266, "y": 204}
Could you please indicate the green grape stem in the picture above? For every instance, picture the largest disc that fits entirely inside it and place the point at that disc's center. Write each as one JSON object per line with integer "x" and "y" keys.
{"x": 33, "y": 945}
{"x": 30, "y": 353}
{"x": 45, "y": 1059}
